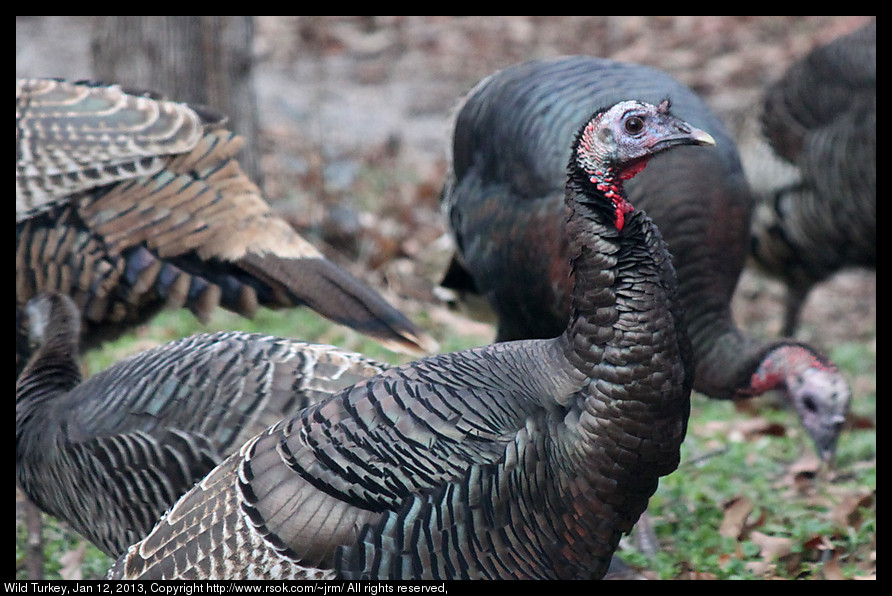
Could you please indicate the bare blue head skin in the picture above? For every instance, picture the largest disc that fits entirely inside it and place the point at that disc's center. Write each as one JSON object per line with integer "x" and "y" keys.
{"x": 617, "y": 144}
{"x": 815, "y": 388}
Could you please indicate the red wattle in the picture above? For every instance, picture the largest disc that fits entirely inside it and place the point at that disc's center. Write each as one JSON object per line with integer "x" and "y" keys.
{"x": 622, "y": 207}
{"x": 630, "y": 171}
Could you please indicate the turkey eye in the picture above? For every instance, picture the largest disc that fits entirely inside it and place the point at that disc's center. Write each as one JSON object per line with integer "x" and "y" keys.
{"x": 634, "y": 125}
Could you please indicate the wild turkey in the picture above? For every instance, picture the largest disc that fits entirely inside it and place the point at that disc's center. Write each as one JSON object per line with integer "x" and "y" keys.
{"x": 128, "y": 202}
{"x": 111, "y": 454}
{"x": 505, "y": 209}
{"x": 820, "y": 120}
{"x": 525, "y": 459}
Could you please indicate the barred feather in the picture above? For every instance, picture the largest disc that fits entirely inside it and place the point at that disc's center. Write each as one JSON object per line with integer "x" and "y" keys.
{"x": 129, "y": 441}
{"x": 129, "y": 203}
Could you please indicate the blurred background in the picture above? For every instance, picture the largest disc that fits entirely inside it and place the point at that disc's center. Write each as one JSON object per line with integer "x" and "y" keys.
{"x": 349, "y": 124}
{"x": 354, "y": 113}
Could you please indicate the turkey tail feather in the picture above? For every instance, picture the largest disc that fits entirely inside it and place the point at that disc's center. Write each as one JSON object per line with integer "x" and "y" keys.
{"x": 335, "y": 294}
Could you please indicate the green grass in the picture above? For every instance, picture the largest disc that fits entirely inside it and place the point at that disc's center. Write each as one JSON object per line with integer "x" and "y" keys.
{"x": 721, "y": 464}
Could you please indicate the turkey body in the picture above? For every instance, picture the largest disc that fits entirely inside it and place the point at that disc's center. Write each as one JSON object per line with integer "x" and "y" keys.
{"x": 524, "y": 459}
{"x": 820, "y": 120}
{"x": 110, "y": 454}
{"x": 128, "y": 203}
{"x": 504, "y": 206}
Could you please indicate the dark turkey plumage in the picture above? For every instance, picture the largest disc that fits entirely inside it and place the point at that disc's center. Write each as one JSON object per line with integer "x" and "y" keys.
{"x": 820, "y": 119}
{"x": 111, "y": 454}
{"x": 128, "y": 202}
{"x": 524, "y": 459}
{"x": 504, "y": 204}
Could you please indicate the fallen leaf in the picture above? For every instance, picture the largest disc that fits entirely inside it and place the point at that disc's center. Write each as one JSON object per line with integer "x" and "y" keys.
{"x": 736, "y": 513}
{"x": 772, "y": 548}
{"x": 832, "y": 569}
{"x": 847, "y": 513}
{"x": 759, "y": 568}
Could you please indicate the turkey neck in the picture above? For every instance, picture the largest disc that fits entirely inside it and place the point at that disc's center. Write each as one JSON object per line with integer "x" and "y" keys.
{"x": 53, "y": 369}
{"x": 623, "y": 306}
{"x": 624, "y": 336}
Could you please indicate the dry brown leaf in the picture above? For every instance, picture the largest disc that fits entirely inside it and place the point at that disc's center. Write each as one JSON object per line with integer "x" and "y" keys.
{"x": 847, "y": 513}
{"x": 832, "y": 569}
{"x": 736, "y": 513}
{"x": 772, "y": 548}
{"x": 803, "y": 475}
{"x": 760, "y": 568}
{"x": 819, "y": 543}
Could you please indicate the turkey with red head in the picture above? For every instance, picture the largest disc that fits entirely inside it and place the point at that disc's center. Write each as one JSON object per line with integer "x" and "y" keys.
{"x": 524, "y": 459}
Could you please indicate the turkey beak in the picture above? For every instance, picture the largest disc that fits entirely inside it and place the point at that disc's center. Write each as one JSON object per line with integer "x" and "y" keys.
{"x": 701, "y": 137}
{"x": 687, "y": 135}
